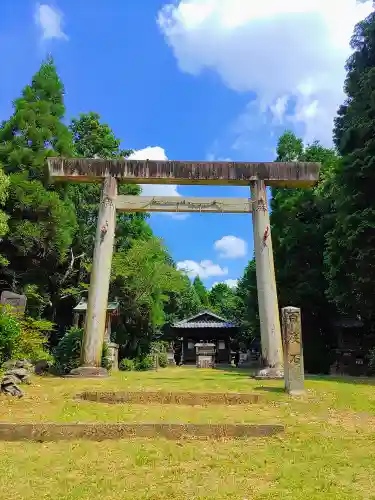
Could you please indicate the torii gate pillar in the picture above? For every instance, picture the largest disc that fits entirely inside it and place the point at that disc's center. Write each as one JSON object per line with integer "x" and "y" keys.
{"x": 272, "y": 351}
{"x": 92, "y": 344}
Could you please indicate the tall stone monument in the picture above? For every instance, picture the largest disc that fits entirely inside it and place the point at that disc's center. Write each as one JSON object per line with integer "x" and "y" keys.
{"x": 293, "y": 351}
{"x": 15, "y": 302}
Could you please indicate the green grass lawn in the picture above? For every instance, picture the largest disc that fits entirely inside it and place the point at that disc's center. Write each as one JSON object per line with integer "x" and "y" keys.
{"x": 327, "y": 451}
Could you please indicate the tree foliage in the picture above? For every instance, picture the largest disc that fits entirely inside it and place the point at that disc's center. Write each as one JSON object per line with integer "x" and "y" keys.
{"x": 41, "y": 219}
{"x": 222, "y": 300}
{"x": 350, "y": 253}
{"x": 143, "y": 280}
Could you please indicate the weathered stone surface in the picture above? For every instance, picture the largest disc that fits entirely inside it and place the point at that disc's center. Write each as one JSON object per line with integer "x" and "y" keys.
{"x": 113, "y": 355}
{"x": 270, "y": 331}
{"x": 95, "y": 323}
{"x": 15, "y": 301}
{"x": 101, "y": 431}
{"x": 17, "y": 372}
{"x": 269, "y": 374}
{"x": 293, "y": 351}
{"x": 177, "y": 398}
{"x": 20, "y": 373}
{"x": 17, "y": 363}
{"x": 9, "y": 386}
{"x": 88, "y": 372}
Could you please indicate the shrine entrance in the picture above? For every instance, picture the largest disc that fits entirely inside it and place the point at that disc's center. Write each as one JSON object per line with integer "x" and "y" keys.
{"x": 255, "y": 175}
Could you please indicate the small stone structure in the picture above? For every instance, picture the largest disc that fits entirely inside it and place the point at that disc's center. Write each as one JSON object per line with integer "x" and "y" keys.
{"x": 170, "y": 355}
{"x": 293, "y": 352}
{"x": 113, "y": 354}
{"x": 16, "y": 302}
{"x": 206, "y": 353}
{"x": 17, "y": 372}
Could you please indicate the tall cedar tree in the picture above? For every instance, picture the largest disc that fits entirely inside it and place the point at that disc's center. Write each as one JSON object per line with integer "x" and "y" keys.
{"x": 246, "y": 311}
{"x": 201, "y": 291}
{"x": 222, "y": 300}
{"x": 350, "y": 254}
{"x": 300, "y": 219}
{"x": 41, "y": 220}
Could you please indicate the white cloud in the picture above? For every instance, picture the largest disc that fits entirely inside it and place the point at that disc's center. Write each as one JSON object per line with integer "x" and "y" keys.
{"x": 150, "y": 153}
{"x": 158, "y": 154}
{"x": 290, "y": 53}
{"x": 204, "y": 269}
{"x": 231, "y": 247}
{"x": 230, "y": 282}
{"x": 50, "y": 21}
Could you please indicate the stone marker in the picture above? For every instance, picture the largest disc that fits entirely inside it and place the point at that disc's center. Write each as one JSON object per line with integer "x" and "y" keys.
{"x": 293, "y": 352}
{"x": 15, "y": 301}
{"x": 113, "y": 355}
{"x": 170, "y": 355}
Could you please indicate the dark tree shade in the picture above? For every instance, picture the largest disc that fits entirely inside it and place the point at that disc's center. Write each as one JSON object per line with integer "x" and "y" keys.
{"x": 350, "y": 253}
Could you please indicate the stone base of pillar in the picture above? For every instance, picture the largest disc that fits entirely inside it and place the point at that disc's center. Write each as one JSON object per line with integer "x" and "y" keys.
{"x": 269, "y": 374}
{"x": 88, "y": 372}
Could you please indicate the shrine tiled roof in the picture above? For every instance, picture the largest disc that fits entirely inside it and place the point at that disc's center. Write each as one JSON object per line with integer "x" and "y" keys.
{"x": 205, "y": 319}
{"x": 82, "y": 306}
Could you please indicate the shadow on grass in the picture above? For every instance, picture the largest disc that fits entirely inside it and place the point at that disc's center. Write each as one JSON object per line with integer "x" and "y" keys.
{"x": 346, "y": 379}
{"x": 232, "y": 370}
{"x": 279, "y": 390}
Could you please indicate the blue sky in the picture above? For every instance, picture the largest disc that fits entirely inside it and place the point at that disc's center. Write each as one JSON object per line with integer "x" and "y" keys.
{"x": 194, "y": 80}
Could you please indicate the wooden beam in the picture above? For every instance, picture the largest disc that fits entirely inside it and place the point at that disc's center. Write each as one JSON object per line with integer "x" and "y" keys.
{"x": 182, "y": 204}
{"x": 292, "y": 174}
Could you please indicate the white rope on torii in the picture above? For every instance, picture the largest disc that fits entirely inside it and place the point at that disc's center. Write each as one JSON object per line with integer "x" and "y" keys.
{"x": 183, "y": 204}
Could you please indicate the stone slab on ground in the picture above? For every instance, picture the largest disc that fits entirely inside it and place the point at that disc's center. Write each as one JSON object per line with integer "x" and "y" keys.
{"x": 269, "y": 374}
{"x": 180, "y": 398}
{"x": 101, "y": 431}
{"x": 88, "y": 372}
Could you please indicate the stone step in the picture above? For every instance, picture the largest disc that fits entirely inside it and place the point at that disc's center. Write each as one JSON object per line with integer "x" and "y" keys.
{"x": 100, "y": 431}
{"x": 179, "y": 398}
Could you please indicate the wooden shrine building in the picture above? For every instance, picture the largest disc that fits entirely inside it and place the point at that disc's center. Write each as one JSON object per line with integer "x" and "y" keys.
{"x": 204, "y": 327}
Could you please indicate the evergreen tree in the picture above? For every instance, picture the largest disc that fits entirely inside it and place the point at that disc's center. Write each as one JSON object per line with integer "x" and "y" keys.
{"x": 182, "y": 303}
{"x": 4, "y": 187}
{"x": 201, "y": 291}
{"x": 222, "y": 300}
{"x": 300, "y": 219}
{"x": 41, "y": 220}
{"x": 246, "y": 313}
{"x": 350, "y": 253}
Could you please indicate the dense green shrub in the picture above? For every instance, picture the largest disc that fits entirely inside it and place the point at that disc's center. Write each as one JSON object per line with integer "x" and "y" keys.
{"x": 371, "y": 361}
{"x": 159, "y": 349}
{"x": 32, "y": 343}
{"x": 163, "y": 359}
{"x": 127, "y": 365}
{"x": 10, "y": 333}
{"x": 68, "y": 351}
{"x": 144, "y": 363}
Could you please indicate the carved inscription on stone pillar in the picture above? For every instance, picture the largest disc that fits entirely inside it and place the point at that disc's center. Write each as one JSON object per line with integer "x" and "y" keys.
{"x": 293, "y": 352}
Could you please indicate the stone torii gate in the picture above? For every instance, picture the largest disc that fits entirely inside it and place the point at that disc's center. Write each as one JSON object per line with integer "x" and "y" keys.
{"x": 255, "y": 175}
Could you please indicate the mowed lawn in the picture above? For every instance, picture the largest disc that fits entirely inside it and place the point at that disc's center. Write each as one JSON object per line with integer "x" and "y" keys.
{"x": 326, "y": 452}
